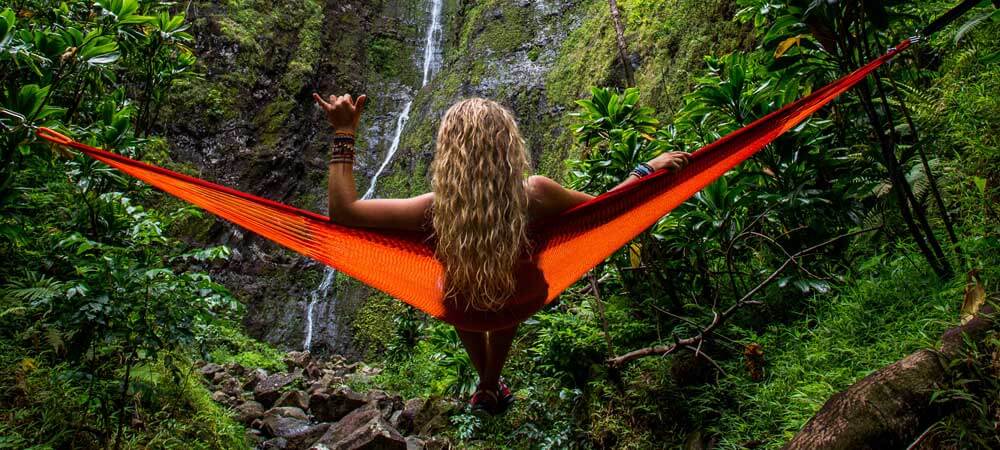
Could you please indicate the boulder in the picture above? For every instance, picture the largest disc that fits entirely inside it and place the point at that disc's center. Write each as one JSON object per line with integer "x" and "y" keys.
{"x": 407, "y": 417}
{"x": 231, "y": 386}
{"x": 362, "y": 429}
{"x": 297, "y": 433}
{"x": 247, "y": 412}
{"x": 268, "y": 390}
{"x": 385, "y": 403}
{"x": 235, "y": 369}
{"x": 275, "y": 444}
{"x": 431, "y": 416}
{"x": 254, "y": 437}
{"x": 414, "y": 443}
{"x": 325, "y": 382}
{"x": 314, "y": 371}
{"x": 296, "y": 399}
{"x": 219, "y": 376}
{"x": 286, "y": 411}
{"x": 297, "y": 360}
{"x": 255, "y": 377}
{"x": 221, "y": 397}
{"x": 333, "y": 406}
{"x": 377, "y": 434}
{"x": 209, "y": 370}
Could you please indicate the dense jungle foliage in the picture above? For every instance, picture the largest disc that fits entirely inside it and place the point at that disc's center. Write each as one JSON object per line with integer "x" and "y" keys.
{"x": 842, "y": 247}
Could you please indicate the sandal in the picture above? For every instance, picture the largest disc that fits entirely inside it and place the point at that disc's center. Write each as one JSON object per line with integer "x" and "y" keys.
{"x": 484, "y": 403}
{"x": 492, "y": 402}
{"x": 506, "y": 398}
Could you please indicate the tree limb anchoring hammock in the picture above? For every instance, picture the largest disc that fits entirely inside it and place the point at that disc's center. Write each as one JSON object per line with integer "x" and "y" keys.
{"x": 403, "y": 265}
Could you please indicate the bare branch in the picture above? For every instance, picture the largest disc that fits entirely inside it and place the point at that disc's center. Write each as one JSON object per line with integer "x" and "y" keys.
{"x": 717, "y": 318}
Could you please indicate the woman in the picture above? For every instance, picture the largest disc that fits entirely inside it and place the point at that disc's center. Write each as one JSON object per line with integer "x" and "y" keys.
{"x": 480, "y": 208}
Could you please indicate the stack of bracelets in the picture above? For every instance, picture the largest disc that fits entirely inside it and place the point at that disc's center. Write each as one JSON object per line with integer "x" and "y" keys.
{"x": 343, "y": 148}
{"x": 643, "y": 170}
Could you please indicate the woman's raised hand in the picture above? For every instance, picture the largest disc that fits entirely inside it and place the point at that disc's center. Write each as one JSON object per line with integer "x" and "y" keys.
{"x": 342, "y": 112}
{"x": 672, "y": 161}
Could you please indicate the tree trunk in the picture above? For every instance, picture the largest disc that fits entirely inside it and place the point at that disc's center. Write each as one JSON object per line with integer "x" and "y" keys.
{"x": 891, "y": 407}
{"x": 622, "y": 45}
{"x": 899, "y": 183}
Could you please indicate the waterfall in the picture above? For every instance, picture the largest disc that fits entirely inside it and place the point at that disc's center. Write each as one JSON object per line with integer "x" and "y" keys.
{"x": 432, "y": 56}
{"x": 432, "y": 50}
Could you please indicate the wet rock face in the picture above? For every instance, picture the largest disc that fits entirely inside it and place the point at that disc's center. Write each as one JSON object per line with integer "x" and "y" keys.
{"x": 334, "y": 416}
{"x": 250, "y": 123}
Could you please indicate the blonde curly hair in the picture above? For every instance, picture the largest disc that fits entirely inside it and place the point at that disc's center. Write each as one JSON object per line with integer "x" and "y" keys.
{"x": 480, "y": 212}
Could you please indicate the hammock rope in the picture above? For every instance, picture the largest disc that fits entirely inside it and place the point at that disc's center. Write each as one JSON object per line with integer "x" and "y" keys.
{"x": 402, "y": 264}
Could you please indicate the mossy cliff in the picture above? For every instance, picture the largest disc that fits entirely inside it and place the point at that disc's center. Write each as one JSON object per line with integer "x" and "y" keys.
{"x": 538, "y": 57}
{"x": 249, "y": 121}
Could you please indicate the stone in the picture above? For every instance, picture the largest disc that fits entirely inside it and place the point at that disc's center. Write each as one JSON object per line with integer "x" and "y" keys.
{"x": 286, "y": 411}
{"x": 376, "y": 434}
{"x": 275, "y": 444}
{"x": 209, "y": 370}
{"x": 362, "y": 428}
{"x": 437, "y": 443}
{"x": 432, "y": 416}
{"x": 231, "y": 386}
{"x": 221, "y": 397}
{"x": 254, "y": 437}
{"x": 297, "y": 360}
{"x": 219, "y": 376}
{"x": 314, "y": 371}
{"x": 235, "y": 369}
{"x": 385, "y": 403}
{"x": 297, "y": 433}
{"x": 328, "y": 379}
{"x": 408, "y": 415}
{"x": 333, "y": 406}
{"x": 268, "y": 390}
{"x": 351, "y": 368}
{"x": 414, "y": 443}
{"x": 297, "y": 399}
{"x": 247, "y": 412}
{"x": 255, "y": 377}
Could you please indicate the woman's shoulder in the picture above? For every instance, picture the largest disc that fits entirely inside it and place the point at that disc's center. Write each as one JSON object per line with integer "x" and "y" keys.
{"x": 549, "y": 198}
{"x": 539, "y": 185}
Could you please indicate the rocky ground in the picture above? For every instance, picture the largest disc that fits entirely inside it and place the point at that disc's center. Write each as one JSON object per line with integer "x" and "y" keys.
{"x": 309, "y": 406}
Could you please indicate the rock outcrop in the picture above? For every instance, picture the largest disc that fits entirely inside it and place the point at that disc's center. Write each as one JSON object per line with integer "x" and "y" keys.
{"x": 280, "y": 414}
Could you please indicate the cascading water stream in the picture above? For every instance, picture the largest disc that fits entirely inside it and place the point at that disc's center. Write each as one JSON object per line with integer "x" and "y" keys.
{"x": 431, "y": 65}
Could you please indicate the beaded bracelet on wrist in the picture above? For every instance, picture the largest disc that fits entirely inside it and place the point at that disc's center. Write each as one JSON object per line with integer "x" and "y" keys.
{"x": 342, "y": 150}
{"x": 643, "y": 170}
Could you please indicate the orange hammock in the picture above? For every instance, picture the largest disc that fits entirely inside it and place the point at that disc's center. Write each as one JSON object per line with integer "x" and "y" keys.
{"x": 403, "y": 264}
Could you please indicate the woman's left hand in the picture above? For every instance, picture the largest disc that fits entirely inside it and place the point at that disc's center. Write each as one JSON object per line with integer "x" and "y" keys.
{"x": 342, "y": 112}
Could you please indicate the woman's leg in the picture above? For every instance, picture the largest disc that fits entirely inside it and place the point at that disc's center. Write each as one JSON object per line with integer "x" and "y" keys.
{"x": 475, "y": 346}
{"x": 497, "y": 348}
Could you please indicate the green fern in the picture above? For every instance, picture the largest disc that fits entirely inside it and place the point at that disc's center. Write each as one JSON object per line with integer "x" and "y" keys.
{"x": 34, "y": 288}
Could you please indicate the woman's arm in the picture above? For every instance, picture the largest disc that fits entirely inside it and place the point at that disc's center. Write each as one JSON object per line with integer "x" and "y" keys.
{"x": 552, "y": 198}
{"x": 344, "y": 113}
{"x": 672, "y": 161}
